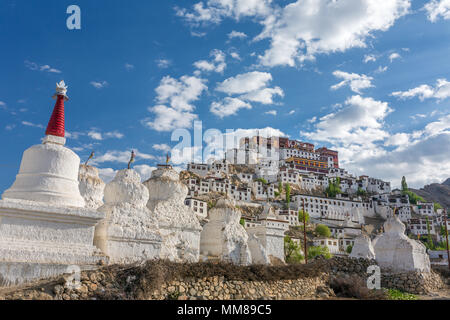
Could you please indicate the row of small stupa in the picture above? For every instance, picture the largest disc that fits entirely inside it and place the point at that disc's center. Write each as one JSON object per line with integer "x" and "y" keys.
{"x": 59, "y": 215}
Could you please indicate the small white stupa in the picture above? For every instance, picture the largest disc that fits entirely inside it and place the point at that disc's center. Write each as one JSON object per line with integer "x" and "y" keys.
{"x": 44, "y": 227}
{"x": 91, "y": 186}
{"x": 398, "y": 253}
{"x": 49, "y": 171}
{"x": 362, "y": 248}
{"x": 223, "y": 236}
{"x": 129, "y": 233}
{"x": 178, "y": 223}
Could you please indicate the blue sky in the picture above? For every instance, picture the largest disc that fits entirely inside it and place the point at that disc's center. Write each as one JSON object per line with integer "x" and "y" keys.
{"x": 368, "y": 78}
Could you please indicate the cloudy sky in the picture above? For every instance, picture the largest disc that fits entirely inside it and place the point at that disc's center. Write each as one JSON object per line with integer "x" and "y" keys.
{"x": 368, "y": 78}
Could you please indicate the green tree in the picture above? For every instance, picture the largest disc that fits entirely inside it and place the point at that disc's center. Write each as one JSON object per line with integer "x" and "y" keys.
{"x": 287, "y": 189}
{"x": 404, "y": 184}
{"x": 334, "y": 188}
{"x": 429, "y": 240}
{"x": 323, "y": 230}
{"x": 349, "y": 249}
{"x": 318, "y": 251}
{"x": 292, "y": 251}
{"x": 262, "y": 180}
{"x": 242, "y": 222}
{"x": 413, "y": 198}
{"x": 437, "y": 206}
{"x": 361, "y": 192}
{"x": 280, "y": 187}
{"x": 300, "y": 216}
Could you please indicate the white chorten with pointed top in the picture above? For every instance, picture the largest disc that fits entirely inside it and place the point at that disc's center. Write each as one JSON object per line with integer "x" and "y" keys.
{"x": 49, "y": 171}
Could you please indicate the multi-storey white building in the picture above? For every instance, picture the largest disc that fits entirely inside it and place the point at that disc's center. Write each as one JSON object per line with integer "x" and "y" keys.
{"x": 425, "y": 208}
{"x": 418, "y": 226}
{"x": 319, "y": 207}
{"x": 291, "y": 176}
{"x": 200, "y": 207}
{"x": 313, "y": 181}
{"x": 286, "y": 153}
{"x": 200, "y": 169}
{"x": 263, "y": 191}
{"x": 241, "y": 156}
{"x": 289, "y": 215}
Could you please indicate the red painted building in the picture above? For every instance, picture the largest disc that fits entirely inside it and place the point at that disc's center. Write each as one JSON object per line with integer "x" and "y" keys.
{"x": 325, "y": 152}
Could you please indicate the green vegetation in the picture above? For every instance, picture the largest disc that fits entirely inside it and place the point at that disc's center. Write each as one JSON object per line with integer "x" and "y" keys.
{"x": 287, "y": 189}
{"x": 333, "y": 188}
{"x": 361, "y": 192}
{"x": 242, "y": 222}
{"x": 300, "y": 216}
{"x": 262, "y": 180}
{"x": 323, "y": 230}
{"x": 318, "y": 251}
{"x": 349, "y": 249}
{"x": 404, "y": 184}
{"x": 394, "y": 294}
{"x": 292, "y": 251}
{"x": 437, "y": 206}
{"x": 430, "y": 241}
{"x": 280, "y": 187}
{"x": 413, "y": 198}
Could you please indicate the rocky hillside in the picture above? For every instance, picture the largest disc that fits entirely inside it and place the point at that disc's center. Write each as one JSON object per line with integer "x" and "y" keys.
{"x": 436, "y": 192}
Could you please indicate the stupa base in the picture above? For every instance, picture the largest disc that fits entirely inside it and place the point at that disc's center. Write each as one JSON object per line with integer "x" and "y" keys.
{"x": 38, "y": 240}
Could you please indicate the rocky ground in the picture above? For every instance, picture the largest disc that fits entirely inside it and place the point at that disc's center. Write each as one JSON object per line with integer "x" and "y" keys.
{"x": 337, "y": 278}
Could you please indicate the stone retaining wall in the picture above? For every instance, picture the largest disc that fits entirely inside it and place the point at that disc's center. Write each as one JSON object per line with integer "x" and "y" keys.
{"x": 165, "y": 280}
{"x": 217, "y": 288}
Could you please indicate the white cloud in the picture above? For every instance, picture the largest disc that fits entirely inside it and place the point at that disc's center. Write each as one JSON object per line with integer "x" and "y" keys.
{"x": 237, "y": 34}
{"x": 120, "y": 156}
{"x": 291, "y": 112}
{"x": 99, "y": 84}
{"x": 235, "y": 55}
{"x": 107, "y": 174}
{"x": 250, "y": 86}
{"x": 305, "y": 28}
{"x": 145, "y": 171}
{"x": 162, "y": 147}
{"x": 369, "y": 57}
{"x": 440, "y": 92}
{"x": 359, "y": 121}
{"x": 97, "y": 135}
{"x": 394, "y": 56}
{"x": 129, "y": 66}
{"x": 271, "y": 112}
{"x": 30, "y": 124}
{"x": 35, "y": 67}
{"x": 245, "y": 83}
{"x": 355, "y": 81}
{"x": 9, "y": 127}
{"x": 217, "y": 64}
{"x": 179, "y": 95}
{"x": 381, "y": 69}
{"x": 163, "y": 63}
{"x": 213, "y": 11}
{"x": 438, "y": 8}
{"x": 264, "y": 96}
{"x": 228, "y": 106}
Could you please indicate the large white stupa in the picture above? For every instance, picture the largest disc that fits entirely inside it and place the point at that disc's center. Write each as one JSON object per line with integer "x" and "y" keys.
{"x": 45, "y": 228}
{"x": 49, "y": 171}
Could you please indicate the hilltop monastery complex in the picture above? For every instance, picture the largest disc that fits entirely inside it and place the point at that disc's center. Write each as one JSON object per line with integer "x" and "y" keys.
{"x": 58, "y": 214}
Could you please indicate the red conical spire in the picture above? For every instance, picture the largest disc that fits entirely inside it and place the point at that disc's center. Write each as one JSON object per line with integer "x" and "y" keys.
{"x": 55, "y": 126}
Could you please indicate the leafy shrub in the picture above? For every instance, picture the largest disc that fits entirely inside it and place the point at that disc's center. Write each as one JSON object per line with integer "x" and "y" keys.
{"x": 323, "y": 230}
{"x": 318, "y": 251}
{"x": 394, "y": 294}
